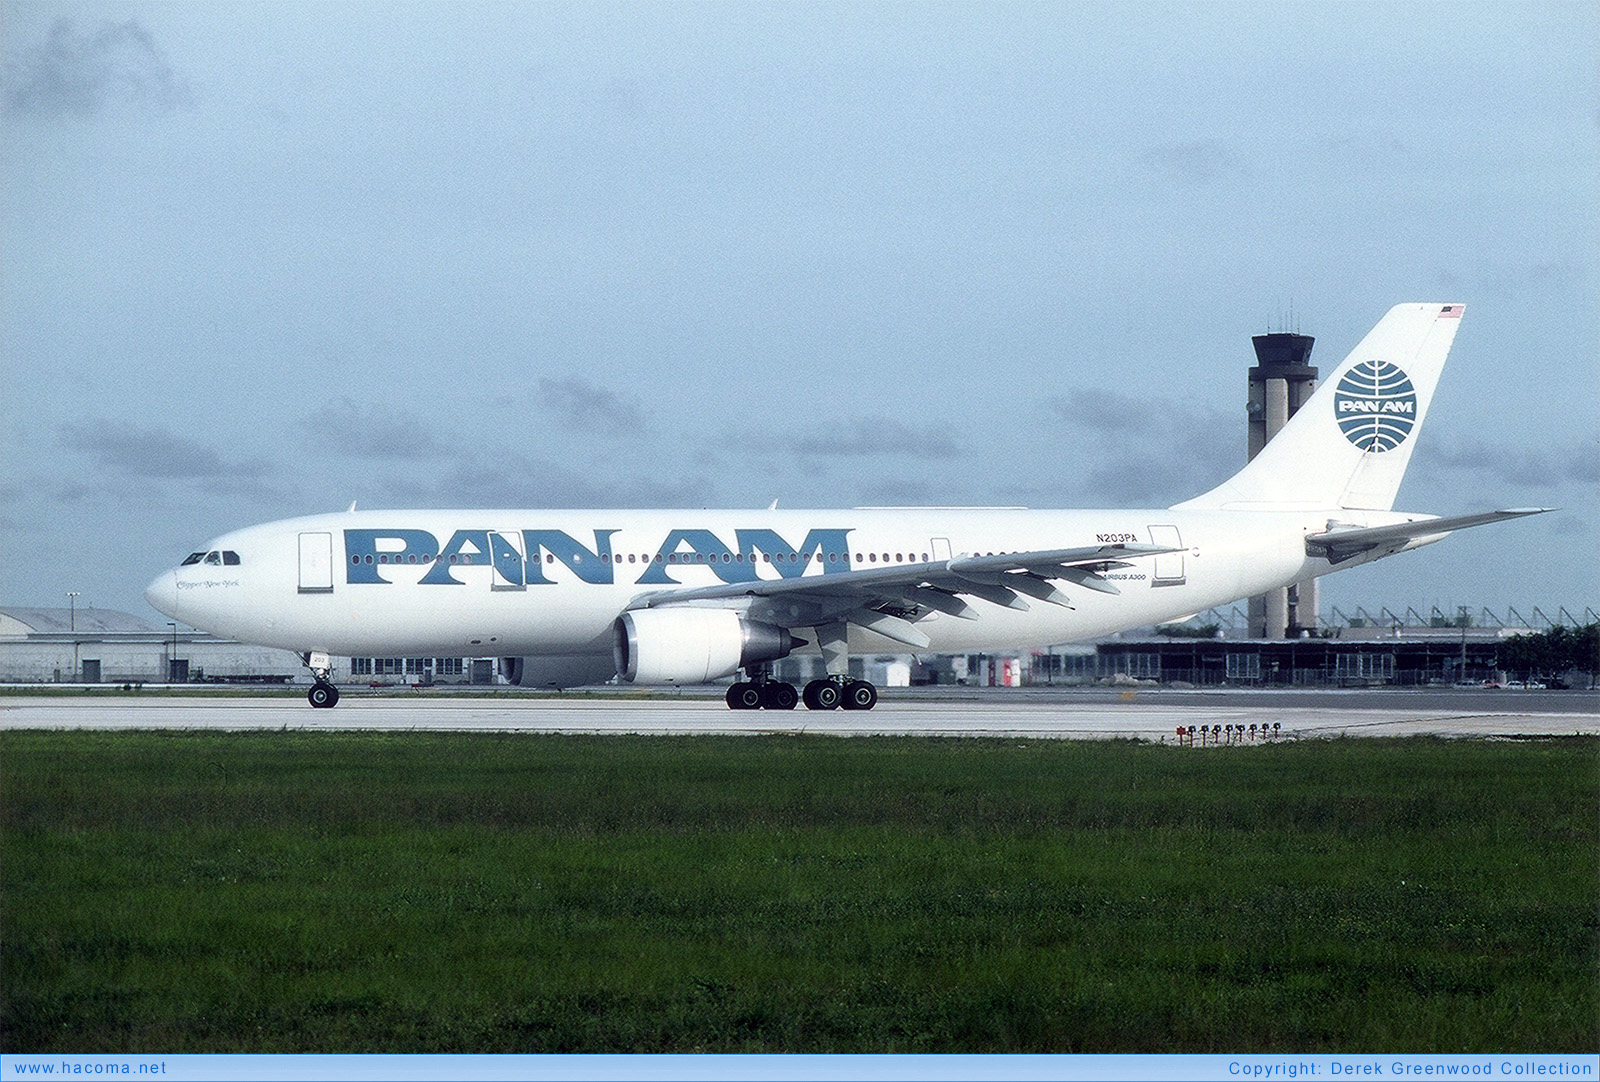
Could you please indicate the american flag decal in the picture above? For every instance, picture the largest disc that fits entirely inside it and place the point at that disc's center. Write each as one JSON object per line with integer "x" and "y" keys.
{"x": 1451, "y": 311}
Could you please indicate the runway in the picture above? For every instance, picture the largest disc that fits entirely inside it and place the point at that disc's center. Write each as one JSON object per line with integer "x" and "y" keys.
{"x": 1011, "y": 713}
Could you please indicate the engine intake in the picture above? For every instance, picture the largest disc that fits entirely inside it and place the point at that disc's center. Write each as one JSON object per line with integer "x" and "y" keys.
{"x": 692, "y": 646}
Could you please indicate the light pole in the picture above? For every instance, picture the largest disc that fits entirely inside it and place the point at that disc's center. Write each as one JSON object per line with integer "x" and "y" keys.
{"x": 72, "y": 625}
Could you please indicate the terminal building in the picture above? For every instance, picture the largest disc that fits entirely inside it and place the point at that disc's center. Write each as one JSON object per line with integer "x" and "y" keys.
{"x": 1345, "y": 657}
{"x": 99, "y": 646}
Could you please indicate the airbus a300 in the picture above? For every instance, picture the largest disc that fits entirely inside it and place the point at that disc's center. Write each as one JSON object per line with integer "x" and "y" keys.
{"x": 567, "y": 598}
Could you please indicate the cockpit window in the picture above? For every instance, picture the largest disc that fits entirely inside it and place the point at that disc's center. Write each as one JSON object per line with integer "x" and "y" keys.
{"x": 216, "y": 557}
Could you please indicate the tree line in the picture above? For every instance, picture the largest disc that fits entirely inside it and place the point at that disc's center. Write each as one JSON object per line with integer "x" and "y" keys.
{"x": 1551, "y": 653}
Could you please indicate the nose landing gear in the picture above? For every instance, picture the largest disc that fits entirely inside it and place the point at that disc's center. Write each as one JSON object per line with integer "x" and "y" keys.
{"x": 323, "y": 695}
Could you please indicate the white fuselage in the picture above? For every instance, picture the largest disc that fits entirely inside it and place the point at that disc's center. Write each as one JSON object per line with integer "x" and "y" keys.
{"x": 551, "y": 583}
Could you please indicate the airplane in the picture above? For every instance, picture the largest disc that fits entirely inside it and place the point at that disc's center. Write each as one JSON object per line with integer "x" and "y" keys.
{"x": 567, "y": 597}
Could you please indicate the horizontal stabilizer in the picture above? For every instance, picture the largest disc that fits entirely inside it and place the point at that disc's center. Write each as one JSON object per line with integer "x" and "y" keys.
{"x": 1340, "y": 543}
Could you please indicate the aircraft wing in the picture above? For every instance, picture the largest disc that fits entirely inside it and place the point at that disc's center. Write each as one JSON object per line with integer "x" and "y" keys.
{"x": 888, "y": 599}
{"x": 1340, "y": 543}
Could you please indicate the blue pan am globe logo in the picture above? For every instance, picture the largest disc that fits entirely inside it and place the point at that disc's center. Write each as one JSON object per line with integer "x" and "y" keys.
{"x": 1376, "y": 406}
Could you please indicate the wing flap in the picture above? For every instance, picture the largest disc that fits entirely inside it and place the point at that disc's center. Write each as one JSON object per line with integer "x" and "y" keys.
{"x": 1017, "y": 582}
{"x": 1035, "y": 587}
{"x": 1082, "y": 576}
{"x": 991, "y": 592}
{"x": 941, "y": 601}
{"x": 890, "y": 627}
{"x": 859, "y": 595}
{"x": 1074, "y": 557}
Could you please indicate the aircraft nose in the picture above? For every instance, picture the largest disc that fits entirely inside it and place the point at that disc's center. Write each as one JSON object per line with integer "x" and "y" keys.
{"x": 162, "y": 593}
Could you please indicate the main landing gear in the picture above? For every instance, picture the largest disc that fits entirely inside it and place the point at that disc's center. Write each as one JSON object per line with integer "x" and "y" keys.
{"x": 840, "y": 692}
{"x": 833, "y": 692}
{"x": 762, "y": 692}
{"x": 323, "y": 694}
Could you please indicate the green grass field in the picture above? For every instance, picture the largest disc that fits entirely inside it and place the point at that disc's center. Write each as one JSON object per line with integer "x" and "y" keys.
{"x": 290, "y": 892}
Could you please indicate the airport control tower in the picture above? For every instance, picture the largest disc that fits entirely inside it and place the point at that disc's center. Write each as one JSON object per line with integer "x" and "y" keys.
{"x": 1279, "y": 385}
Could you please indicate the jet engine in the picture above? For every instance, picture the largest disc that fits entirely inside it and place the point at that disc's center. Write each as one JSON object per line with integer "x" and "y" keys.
{"x": 692, "y": 646}
{"x": 557, "y": 672}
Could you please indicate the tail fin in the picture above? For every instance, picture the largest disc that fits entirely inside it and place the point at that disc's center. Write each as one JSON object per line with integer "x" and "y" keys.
{"x": 1348, "y": 445}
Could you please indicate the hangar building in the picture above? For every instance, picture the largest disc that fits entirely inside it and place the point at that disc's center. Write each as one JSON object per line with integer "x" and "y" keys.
{"x": 103, "y": 646}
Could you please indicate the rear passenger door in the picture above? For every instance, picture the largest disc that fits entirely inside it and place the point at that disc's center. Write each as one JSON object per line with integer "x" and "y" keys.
{"x": 1169, "y": 565}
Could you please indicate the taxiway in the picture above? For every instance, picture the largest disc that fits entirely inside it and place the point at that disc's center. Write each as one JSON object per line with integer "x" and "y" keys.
{"x": 1002, "y": 713}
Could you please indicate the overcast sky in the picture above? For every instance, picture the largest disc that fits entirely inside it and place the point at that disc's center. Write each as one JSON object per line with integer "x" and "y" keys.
{"x": 261, "y": 260}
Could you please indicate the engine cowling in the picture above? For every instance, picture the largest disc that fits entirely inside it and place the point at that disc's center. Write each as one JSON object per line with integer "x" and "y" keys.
{"x": 557, "y": 672}
{"x": 692, "y": 646}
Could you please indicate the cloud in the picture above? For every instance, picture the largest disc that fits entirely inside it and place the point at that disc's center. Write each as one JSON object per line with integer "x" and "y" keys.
{"x": 83, "y": 73}
{"x": 75, "y": 491}
{"x": 876, "y": 437}
{"x": 1198, "y": 163}
{"x": 346, "y": 428}
{"x": 1574, "y": 523}
{"x": 1504, "y": 464}
{"x": 12, "y": 494}
{"x": 1144, "y": 451}
{"x": 905, "y": 492}
{"x": 123, "y": 451}
{"x": 1107, "y": 411}
{"x": 579, "y": 404}
{"x": 148, "y": 452}
{"x": 521, "y": 482}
